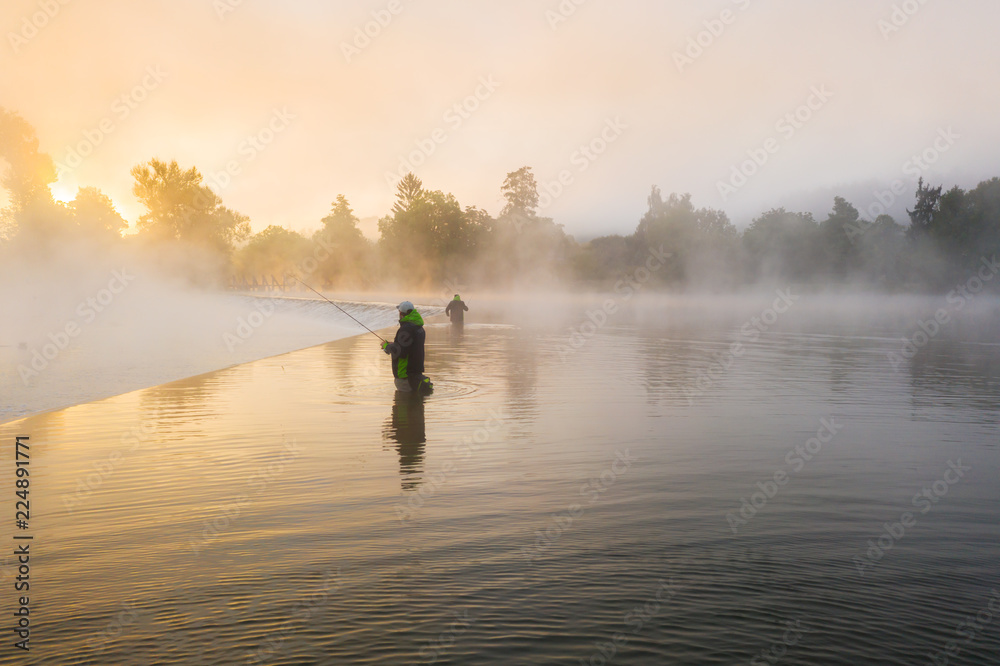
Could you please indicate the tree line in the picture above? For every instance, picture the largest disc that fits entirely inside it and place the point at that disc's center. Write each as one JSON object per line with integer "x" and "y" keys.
{"x": 428, "y": 239}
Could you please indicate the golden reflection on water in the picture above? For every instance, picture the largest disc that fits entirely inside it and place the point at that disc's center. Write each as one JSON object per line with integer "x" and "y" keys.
{"x": 141, "y": 499}
{"x": 195, "y": 517}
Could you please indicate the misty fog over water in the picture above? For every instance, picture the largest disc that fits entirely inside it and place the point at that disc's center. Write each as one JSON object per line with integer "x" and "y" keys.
{"x": 641, "y": 489}
{"x": 698, "y": 303}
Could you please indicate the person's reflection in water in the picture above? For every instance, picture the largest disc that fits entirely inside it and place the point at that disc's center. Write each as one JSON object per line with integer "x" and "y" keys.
{"x": 406, "y": 428}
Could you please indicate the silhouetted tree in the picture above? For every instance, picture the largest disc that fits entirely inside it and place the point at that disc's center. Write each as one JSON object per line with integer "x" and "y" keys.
{"x": 31, "y": 211}
{"x": 350, "y": 252}
{"x": 838, "y": 250}
{"x": 984, "y": 218}
{"x": 520, "y": 191}
{"x": 409, "y": 190}
{"x": 428, "y": 237}
{"x": 522, "y": 247}
{"x": 180, "y": 208}
{"x": 95, "y": 215}
{"x": 275, "y": 251}
{"x": 780, "y": 244}
{"x": 30, "y": 171}
{"x": 700, "y": 242}
{"x": 880, "y": 252}
{"x": 603, "y": 259}
{"x": 922, "y": 215}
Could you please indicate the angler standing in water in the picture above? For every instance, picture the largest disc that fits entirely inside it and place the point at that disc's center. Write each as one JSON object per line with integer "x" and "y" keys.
{"x": 407, "y": 352}
{"x": 456, "y": 310}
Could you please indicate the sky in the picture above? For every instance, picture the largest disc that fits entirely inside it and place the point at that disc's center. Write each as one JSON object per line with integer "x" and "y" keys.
{"x": 745, "y": 104}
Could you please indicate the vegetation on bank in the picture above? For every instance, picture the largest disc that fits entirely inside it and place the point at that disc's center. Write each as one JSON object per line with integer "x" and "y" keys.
{"x": 428, "y": 239}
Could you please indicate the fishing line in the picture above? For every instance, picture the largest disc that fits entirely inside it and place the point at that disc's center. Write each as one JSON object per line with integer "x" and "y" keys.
{"x": 342, "y": 310}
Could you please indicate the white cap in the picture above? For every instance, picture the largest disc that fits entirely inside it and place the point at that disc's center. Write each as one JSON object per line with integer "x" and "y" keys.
{"x": 405, "y": 307}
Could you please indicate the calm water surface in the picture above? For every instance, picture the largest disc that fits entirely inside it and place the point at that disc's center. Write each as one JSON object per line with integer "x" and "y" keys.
{"x": 613, "y": 502}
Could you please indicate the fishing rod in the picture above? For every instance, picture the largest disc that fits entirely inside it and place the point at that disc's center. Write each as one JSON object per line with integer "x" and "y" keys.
{"x": 342, "y": 310}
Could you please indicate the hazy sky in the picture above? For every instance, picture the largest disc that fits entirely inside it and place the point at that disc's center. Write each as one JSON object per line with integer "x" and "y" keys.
{"x": 535, "y": 81}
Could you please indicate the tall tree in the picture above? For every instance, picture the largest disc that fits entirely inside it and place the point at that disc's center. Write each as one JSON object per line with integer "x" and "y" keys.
{"x": 349, "y": 251}
{"x": 341, "y": 225}
{"x": 922, "y": 215}
{"x": 521, "y": 246}
{"x": 179, "y": 207}
{"x": 395, "y": 229}
{"x": 984, "y": 212}
{"x": 698, "y": 240}
{"x": 520, "y": 191}
{"x": 782, "y": 244}
{"x": 95, "y": 214}
{"x": 30, "y": 171}
{"x": 964, "y": 226}
{"x": 31, "y": 212}
{"x": 881, "y": 251}
{"x": 409, "y": 191}
{"x": 429, "y": 237}
{"x": 839, "y": 252}
{"x": 275, "y": 251}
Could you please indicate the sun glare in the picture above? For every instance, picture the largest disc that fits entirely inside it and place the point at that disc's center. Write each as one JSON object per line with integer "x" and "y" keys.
{"x": 62, "y": 193}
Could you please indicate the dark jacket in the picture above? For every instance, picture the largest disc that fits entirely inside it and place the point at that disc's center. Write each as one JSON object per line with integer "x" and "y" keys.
{"x": 407, "y": 349}
{"x": 456, "y": 309}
